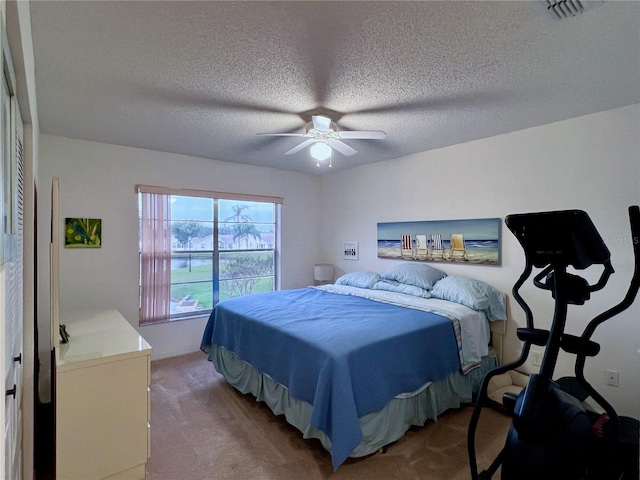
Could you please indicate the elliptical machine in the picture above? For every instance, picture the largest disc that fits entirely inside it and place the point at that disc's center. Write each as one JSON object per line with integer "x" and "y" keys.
{"x": 552, "y": 435}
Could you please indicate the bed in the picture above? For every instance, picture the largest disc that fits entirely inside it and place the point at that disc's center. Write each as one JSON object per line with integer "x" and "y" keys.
{"x": 355, "y": 364}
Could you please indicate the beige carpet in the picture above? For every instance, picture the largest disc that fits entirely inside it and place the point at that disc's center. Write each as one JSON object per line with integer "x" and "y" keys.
{"x": 202, "y": 428}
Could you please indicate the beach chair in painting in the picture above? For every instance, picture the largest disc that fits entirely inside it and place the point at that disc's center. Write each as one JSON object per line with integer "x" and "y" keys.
{"x": 422, "y": 247}
{"x": 406, "y": 248}
{"x": 436, "y": 249}
{"x": 458, "y": 247}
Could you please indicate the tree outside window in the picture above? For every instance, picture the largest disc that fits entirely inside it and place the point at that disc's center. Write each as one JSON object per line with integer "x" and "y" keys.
{"x": 220, "y": 248}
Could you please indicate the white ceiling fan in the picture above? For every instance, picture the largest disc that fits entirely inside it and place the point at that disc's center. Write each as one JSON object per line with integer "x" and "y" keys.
{"x": 323, "y": 137}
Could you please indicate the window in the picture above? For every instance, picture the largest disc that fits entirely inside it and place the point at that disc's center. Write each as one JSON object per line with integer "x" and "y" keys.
{"x": 197, "y": 248}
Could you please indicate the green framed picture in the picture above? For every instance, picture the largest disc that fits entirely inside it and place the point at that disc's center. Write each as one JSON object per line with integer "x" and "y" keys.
{"x": 83, "y": 233}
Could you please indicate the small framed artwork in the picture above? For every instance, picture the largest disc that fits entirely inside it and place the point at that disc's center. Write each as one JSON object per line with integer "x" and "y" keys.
{"x": 83, "y": 233}
{"x": 350, "y": 251}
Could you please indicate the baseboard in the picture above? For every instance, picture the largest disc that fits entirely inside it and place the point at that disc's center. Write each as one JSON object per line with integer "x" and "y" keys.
{"x": 174, "y": 353}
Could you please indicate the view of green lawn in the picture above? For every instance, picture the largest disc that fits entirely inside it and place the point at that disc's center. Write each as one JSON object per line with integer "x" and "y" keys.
{"x": 196, "y": 280}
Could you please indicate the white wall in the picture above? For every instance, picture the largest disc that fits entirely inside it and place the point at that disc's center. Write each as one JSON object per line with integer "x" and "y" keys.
{"x": 590, "y": 163}
{"x": 98, "y": 181}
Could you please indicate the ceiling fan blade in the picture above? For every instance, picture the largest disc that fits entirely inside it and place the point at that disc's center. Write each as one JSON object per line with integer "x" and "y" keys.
{"x": 282, "y": 134}
{"x": 302, "y": 146}
{"x": 342, "y": 147}
{"x": 321, "y": 123}
{"x": 363, "y": 134}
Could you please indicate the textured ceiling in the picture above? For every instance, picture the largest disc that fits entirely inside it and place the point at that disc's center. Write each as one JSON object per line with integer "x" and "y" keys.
{"x": 203, "y": 78}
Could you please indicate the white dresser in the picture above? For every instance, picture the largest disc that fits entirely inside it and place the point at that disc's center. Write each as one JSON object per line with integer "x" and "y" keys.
{"x": 102, "y": 399}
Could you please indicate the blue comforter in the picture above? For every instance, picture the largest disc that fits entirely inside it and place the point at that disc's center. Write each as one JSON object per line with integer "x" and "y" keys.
{"x": 345, "y": 355}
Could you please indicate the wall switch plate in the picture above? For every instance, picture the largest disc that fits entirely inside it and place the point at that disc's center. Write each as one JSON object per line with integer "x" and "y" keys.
{"x": 613, "y": 378}
{"x": 536, "y": 358}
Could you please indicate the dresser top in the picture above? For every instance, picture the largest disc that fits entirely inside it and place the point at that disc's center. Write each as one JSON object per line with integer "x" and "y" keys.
{"x": 100, "y": 335}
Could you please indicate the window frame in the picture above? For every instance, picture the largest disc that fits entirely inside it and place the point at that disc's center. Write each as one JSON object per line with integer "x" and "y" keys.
{"x": 215, "y": 252}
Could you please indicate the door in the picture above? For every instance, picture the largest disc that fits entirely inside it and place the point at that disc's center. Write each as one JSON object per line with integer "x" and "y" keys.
{"x": 11, "y": 274}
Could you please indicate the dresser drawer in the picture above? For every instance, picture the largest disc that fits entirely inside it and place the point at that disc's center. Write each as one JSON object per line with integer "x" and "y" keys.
{"x": 102, "y": 402}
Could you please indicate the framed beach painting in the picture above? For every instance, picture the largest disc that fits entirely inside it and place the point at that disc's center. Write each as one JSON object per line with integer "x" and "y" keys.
{"x": 83, "y": 233}
{"x": 473, "y": 241}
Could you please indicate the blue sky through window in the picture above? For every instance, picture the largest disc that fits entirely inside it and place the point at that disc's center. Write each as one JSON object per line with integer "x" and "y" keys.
{"x": 201, "y": 209}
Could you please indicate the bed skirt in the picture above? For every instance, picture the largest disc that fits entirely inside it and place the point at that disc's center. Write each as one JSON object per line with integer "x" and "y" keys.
{"x": 378, "y": 428}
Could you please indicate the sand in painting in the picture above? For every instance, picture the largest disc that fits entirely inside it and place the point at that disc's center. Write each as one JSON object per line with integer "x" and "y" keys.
{"x": 474, "y": 255}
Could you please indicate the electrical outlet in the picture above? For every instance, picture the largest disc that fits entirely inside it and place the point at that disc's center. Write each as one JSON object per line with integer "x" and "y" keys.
{"x": 536, "y": 358}
{"x": 613, "y": 378}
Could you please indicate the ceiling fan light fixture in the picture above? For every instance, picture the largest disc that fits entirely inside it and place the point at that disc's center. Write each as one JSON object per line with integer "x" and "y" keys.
{"x": 320, "y": 151}
{"x": 322, "y": 137}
